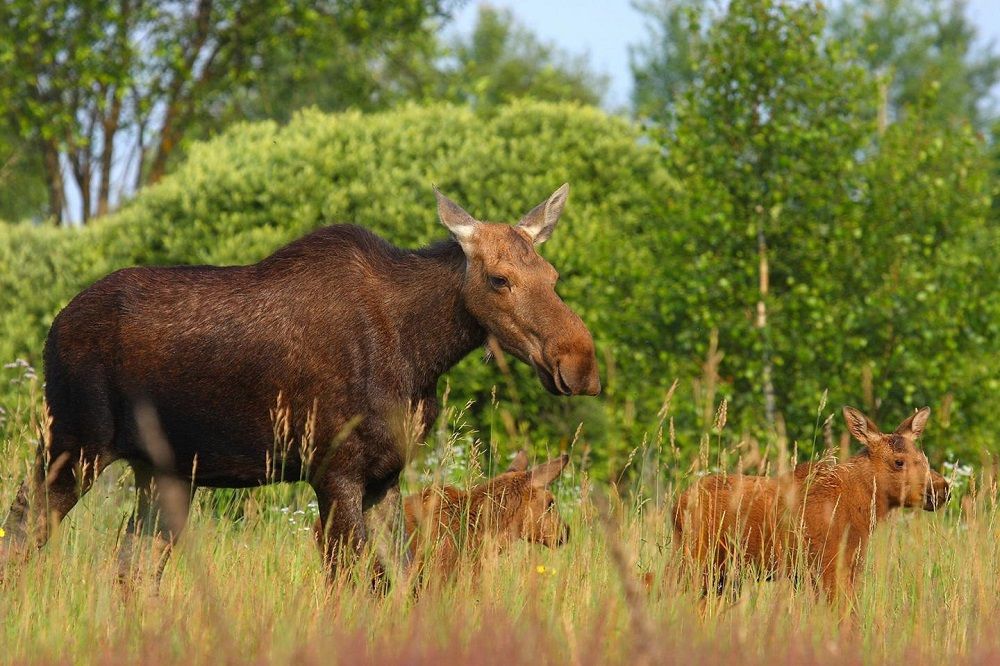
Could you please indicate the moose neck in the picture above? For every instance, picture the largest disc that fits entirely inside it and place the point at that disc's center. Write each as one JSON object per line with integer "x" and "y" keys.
{"x": 433, "y": 322}
{"x": 861, "y": 475}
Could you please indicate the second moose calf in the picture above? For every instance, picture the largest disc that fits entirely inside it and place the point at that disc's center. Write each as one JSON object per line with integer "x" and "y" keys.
{"x": 820, "y": 515}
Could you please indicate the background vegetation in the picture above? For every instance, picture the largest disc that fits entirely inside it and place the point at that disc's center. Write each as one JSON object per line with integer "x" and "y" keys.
{"x": 793, "y": 224}
{"x": 797, "y": 211}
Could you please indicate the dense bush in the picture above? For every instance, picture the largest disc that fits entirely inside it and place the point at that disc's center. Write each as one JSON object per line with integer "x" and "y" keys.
{"x": 258, "y": 186}
{"x": 652, "y": 251}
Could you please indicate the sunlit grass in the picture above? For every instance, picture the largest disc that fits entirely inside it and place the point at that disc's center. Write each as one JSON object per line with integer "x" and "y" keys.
{"x": 245, "y": 584}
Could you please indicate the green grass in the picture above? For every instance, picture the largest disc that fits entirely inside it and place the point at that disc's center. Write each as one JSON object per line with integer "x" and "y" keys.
{"x": 245, "y": 584}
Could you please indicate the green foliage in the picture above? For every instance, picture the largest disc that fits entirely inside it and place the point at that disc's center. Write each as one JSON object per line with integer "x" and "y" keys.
{"x": 502, "y": 61}
{"x": 871, "y": 241}
{"x": 22, "y": 184}
{"x": 402, "y": 57}
{"x": 87, "y": 81}
{"x": 349, "y": 56}
{"x": 881, "y": 285}
{"x": 665, "y": 64}
{"x": 926, "y": 50}
{"x": 258, "y": 186}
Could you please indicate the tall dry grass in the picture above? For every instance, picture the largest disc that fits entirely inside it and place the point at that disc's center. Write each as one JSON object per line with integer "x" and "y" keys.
{"x": 245, "y": 583}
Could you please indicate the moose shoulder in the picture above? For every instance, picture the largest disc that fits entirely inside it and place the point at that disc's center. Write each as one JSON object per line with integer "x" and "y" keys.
{"x": 330, "y": 339}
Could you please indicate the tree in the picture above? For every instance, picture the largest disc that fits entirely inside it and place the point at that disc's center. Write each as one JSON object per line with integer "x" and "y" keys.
{"x": 925, "y": 50}
{"x": 113, "y": 87}
{"x": 502, "y": 60}
{"x": 665, "y": 65}
{"x": 388, "y": 57}
{"x": 830, "y": 254}
{"x": 22, "y": 183}
{"x": 765, "y": 142}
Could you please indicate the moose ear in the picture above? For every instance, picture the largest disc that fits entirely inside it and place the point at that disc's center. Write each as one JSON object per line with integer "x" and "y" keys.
{"x": 913, "y": 427}
{"x": 862, "y": 427}
{"x": 544, "y": 474}
{"x": 541, "y": 220}
{"x": 460, "y": 224}
{"x": 519, "y": 463}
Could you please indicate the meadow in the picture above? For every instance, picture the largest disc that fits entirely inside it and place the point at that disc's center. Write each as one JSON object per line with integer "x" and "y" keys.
{"x": 246, "y": 585}
{"x": 796, "y": 213}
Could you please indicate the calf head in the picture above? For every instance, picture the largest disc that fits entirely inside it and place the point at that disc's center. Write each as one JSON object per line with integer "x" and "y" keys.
{"x": 535, "y": 516}
{"x": 510, "y": 290}
{"x": 540, "y": 519}
{"x": 901, "y": 469}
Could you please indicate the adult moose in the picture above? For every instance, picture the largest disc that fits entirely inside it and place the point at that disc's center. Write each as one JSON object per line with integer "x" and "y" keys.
{"x": 179, "y": 370}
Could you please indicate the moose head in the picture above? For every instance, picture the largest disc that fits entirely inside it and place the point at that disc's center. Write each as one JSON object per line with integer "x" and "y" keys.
{"x": 537, "y": 518}
{"x": 901, "y": 469}
{"x": 511, "y": 291}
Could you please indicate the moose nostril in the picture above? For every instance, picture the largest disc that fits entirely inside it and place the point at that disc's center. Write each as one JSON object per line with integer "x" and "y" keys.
{"x": 579, "y": 376}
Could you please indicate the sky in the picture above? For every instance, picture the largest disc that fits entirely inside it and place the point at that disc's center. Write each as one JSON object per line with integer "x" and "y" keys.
{"x": 603, "y": 29}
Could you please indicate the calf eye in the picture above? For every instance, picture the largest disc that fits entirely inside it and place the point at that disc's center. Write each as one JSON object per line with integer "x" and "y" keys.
{"x": 900, "y": 463}
{"x": 499, "y": 282}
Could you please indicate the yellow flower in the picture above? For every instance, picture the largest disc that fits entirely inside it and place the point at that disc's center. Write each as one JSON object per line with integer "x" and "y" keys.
{"x": 540, "y": 568}
{"x": 2, "y": 533}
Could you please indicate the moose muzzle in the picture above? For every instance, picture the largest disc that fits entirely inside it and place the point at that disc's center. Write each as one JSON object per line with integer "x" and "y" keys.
{"x": 569, "y": 367}
{"x": 936, "y": 493}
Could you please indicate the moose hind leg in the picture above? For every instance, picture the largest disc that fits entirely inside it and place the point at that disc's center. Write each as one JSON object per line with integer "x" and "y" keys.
{"x": 386, "y": 528}
{"x": 163, "y": 504}
{"x": 54, "y": 487}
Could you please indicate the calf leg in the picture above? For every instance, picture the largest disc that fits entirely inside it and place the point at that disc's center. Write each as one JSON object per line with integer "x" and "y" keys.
{"x": 161, "y": 513}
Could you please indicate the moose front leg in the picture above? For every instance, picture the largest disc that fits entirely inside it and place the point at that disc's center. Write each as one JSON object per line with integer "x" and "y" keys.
{"x": 340, "y": 531}
{"x": 386, "y": 525}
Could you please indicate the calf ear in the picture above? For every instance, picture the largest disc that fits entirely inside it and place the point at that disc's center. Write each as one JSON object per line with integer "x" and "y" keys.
{"x": 519, "y": 463}
{"x": 862, "y": 427}
{"x": 544, "y": 474}
{"x": 541, "y": 220}
{"x": 913, "y": 427}
{"x": 461, "y": 225}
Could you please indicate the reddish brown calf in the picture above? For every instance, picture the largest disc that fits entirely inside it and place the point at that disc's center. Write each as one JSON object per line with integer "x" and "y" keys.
{"x": 443, "y": 522}
{"x": 821, "y": 514}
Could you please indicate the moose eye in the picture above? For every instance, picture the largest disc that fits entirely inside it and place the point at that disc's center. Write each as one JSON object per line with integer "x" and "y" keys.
{"x": 900, "y": 463}
{"x": 499, "y": 282}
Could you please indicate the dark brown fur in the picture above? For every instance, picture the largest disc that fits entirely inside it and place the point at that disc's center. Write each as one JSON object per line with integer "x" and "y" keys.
{"x": 821, "y": 515}
{"x": 306, "y": 365}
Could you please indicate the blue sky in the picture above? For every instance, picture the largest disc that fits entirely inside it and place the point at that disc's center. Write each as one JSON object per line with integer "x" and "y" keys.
{"x": 603, "y": 29}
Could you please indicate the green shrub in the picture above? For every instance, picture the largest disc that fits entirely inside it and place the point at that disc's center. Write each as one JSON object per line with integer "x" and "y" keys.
{"x": 258, "y": 186}
{"x": 654, "y": 252}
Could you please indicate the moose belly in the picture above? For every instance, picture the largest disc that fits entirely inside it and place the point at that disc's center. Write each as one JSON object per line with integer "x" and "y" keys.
{"x": 234, "y": 426}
